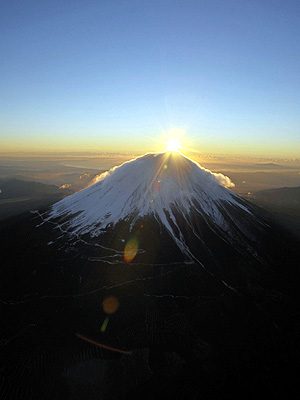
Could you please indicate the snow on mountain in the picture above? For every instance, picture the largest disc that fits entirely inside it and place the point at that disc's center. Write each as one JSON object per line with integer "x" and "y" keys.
{"x": 161, "y": 185}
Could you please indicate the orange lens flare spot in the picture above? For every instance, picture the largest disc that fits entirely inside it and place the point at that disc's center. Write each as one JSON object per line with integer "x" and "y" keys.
{"x": 130, "y": 250}
{"x": 110, "y": 305}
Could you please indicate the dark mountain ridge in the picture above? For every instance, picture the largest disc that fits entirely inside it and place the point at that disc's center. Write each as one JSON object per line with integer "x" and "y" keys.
{"x": 14, "y": 188}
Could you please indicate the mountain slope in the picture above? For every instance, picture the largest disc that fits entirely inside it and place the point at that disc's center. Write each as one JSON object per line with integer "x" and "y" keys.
{"x": 167, "y": 187}
{"x": 207, "y": 287}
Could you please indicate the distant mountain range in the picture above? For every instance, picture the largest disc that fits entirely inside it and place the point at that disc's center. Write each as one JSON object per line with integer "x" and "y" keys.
{"x": 271, "y": 166}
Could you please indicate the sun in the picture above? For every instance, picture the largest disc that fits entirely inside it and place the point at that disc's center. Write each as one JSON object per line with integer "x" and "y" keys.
{"x": 173, "y": 145}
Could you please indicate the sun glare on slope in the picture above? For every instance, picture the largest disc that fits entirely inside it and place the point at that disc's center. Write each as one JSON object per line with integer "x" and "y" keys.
{"x": 173, "y": 145}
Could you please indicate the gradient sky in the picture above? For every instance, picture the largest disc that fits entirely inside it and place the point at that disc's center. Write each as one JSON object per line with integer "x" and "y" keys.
{"x": 223, "y": 76}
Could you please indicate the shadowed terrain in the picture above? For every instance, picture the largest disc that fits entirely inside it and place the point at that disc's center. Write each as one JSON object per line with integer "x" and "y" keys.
{"x": 204, "y": 300}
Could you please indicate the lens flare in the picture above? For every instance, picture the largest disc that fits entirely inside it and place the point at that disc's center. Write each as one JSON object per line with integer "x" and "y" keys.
{"x": 130, "y": 250}
{"x": 110, "y": 304}
{"x": 102, "y": 345}
{"x": 104, "y": 325}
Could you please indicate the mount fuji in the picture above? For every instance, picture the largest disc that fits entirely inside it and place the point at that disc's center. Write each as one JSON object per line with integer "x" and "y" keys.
{"x": 174, "y": 192}
{"x": 207, "y": 288}
{"x": 160, "y": 185}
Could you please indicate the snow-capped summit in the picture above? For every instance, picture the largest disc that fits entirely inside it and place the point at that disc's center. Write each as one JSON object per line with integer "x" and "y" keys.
{"x": 168, "y": 187}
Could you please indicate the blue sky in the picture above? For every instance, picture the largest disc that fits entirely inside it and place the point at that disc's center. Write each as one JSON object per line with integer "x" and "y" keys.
{"x": 105, "y": 75}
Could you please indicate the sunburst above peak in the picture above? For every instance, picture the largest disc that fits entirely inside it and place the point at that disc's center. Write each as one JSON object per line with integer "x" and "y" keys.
{"x": 173, "y": 145}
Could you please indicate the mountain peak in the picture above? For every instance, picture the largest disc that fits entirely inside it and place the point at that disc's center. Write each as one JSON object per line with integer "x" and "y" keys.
{"x": 151, "y": 184}
{"x": 169, "y": 188}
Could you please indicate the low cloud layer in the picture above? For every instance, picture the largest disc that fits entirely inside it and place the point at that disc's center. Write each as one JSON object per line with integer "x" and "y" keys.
{"x": 223, "y": 180}
{"x": 103, "y": 175}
